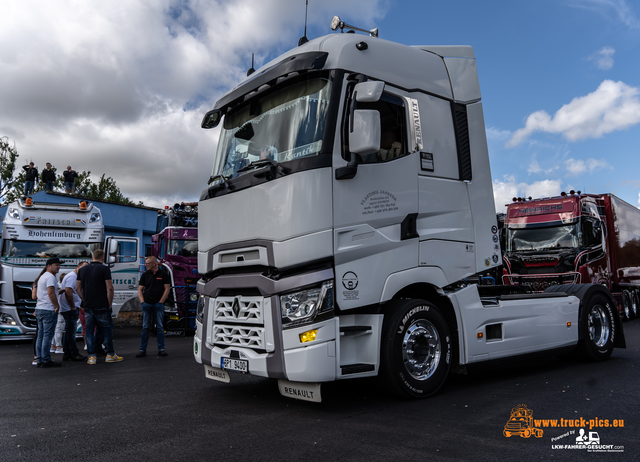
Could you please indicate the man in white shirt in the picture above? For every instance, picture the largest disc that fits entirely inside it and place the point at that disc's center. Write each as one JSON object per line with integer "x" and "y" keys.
{"x": 70, "y": 309}
{"x": 47, "y": 308}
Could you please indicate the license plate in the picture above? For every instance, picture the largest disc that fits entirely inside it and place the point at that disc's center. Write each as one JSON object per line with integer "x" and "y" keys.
{"x": 231, "y": 364}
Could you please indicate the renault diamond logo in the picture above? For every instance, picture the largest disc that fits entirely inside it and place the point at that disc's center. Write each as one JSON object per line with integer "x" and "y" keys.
{"x": 236, "y": 307}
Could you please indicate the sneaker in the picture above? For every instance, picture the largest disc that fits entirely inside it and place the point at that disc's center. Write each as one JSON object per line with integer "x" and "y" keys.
{"x": 34, "y": 363}
{"x": 92, "y": 360}
{"x": 50, "y": 364}
{"x": 142, "y": 354}
{"x": 53, "y": 349}
{"x": 114, "y": 358}
{"x": 162, "y": 353}
{"x": 85, "y": 348}
{"x": 59, "y": 350}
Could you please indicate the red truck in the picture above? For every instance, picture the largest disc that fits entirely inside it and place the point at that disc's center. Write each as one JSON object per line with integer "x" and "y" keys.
{"x": 575, "y": 238}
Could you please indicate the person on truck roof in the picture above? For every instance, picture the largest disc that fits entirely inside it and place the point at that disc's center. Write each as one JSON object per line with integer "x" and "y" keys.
{"x": 69, "y": 180}
{"x": 30, "y": 178}
{"x": 48, "y": 178}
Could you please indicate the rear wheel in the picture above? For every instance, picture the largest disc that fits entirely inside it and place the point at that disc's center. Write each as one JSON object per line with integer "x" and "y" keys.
{"x": 597, "y": 327}
{"x": 626, "y": 304}
{"x": 416, "y": 349}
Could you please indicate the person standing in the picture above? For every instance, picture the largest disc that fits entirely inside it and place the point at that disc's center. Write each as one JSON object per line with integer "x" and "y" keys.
{"x": 48, "y": 178}
{"x": 153, "y": 291}
{"x": 69, "y": 309}
{"x": 95, "y": 289}
{"x": 69, "y": 180}
{"x": 47, "y": 308}
{"x": 30, "y": 178}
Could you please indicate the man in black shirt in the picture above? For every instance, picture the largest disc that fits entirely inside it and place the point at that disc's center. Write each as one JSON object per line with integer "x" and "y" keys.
{"x": 48, "y": 178}
{"x": 30, "y": 178}
{"x": 95, "y": 288}
{"x": 153, "y": 291}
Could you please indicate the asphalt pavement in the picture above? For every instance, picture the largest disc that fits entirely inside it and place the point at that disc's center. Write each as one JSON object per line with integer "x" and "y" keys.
{"x": 165, "y": 409}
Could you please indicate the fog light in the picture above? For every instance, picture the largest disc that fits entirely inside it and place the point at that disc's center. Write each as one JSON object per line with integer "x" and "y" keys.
{"x": 308, "y": 336}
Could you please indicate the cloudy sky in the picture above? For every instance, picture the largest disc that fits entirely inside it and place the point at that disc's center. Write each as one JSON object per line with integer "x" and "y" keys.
{"x": 120, "y": 87}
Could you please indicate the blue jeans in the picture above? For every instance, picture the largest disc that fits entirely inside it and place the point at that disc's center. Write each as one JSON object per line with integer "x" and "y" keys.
{"x": 99, "y": 317}
{"x": 47, "y": 321}
{"x": 148, "y": 311}
{"x": 70, "y": 185}
{"x": 28, "y": 187}
{"x": 48, "y": 186}
{"x": 70, "y": 327}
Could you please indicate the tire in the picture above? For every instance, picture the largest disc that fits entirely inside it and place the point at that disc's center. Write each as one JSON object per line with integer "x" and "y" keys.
{"x": 626, "y": 304}
{"x": 404, "y": 370}
{"x": 526, "y": 433}
{"x": 597, "y": 328}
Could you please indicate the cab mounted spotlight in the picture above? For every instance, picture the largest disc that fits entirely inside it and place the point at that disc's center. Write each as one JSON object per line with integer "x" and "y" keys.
{"x": 336, "y": 24}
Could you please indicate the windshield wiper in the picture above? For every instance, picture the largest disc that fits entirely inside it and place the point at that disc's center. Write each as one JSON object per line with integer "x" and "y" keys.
{"x": 260, "y": 163}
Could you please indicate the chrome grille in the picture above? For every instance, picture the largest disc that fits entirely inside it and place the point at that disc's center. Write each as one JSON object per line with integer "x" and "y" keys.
{"x": 250, "y": 337}
{"x": 246, "y": 310}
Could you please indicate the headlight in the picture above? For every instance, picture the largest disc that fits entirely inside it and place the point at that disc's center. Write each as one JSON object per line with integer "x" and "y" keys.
{"x": 95, "y": 217}
{"x": 200, "y": 308}
{"x": 304, "y": 306}
{"x": 7, "y": 319}
{"x": 14, "y": 213}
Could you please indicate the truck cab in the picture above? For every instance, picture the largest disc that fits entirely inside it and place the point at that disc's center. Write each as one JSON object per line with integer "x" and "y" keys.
{"x": 175, "y": 245}
{"x": 347, "y": 222}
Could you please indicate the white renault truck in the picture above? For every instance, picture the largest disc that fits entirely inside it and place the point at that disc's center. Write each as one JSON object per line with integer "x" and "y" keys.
{"x": 349, "y": 223}
{"x": 33, "y": 232}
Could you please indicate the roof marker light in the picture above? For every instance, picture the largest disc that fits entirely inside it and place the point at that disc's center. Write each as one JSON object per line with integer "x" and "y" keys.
{"x": 83, "y": 205}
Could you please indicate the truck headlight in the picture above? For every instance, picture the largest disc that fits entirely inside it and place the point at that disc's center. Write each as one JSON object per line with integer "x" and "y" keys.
{"x": 7, "y": 319}
{"x": 200, "y": 308}
{"x": 306, "y": 305}
{"x": 14, "y": 213}
{"x": 95, "y": 217}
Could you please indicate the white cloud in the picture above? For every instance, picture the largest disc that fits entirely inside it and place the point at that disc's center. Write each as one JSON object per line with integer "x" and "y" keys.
{"x": 619, "y": 8}
{"x": 577, "y": 167}
{"x": 534, "y": 167}
{"x": 497, "y": 134}
{"x": 505, "y": 191}
{"x": 603, "y": 58}
{"x": 613, "y": 106}
{"x": 120, "y": 88}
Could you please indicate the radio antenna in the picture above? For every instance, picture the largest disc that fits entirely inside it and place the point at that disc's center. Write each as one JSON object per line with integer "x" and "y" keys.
{"x": 304, "y": 38}
{"x": 251, "y": 70}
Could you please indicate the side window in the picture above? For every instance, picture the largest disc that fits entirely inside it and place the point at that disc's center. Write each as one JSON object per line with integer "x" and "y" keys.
{"x": 126, "y": 252}
{"x": 393, "y": 139}
{"x": 591, "y": 234}
{"x": 161, "y": 247}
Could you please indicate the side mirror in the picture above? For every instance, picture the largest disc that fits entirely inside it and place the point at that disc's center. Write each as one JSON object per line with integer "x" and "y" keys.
{"x": 113, "y": 246}
{"x": 364, "y": 137}
{"x": 368, "y": 92}
{"x": 111, "y": 259}
{"x": 211, "y": 119}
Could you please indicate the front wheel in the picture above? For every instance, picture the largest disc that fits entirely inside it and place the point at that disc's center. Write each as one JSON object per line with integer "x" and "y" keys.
{"x": 415, "y": 353}
{"x": 597, "y": 327}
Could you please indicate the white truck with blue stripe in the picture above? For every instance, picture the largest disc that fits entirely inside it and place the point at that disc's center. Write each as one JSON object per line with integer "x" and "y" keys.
{"x": 34, "y": 232}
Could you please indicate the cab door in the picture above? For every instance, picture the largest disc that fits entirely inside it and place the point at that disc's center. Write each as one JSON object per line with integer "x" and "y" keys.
{"x": 375, "y": 210}
{"x": 123, "y": 260}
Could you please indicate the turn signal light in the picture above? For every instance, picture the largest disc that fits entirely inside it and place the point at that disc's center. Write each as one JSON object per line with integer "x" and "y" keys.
{"x": 308, "y": 336}
{"x": 569, "y": 324}
{"x": 480, "y": 334}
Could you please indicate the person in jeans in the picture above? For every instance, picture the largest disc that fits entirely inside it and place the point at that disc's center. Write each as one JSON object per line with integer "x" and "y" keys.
{"x": 69, "y": 309}
{"x": 47, "y": 308}
{"x": 48, "y": 178}
{"x": 30, "y": 178}
{"x": 69, "y": 180}
{"x": 95, "y": 289}
{"x": 153, "y": 291}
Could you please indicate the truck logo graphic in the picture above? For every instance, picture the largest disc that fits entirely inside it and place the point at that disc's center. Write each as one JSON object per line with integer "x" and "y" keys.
{"x": 521, "y": 423}
{"x": 235, "y": 307}
{"x": 350, "y": 280}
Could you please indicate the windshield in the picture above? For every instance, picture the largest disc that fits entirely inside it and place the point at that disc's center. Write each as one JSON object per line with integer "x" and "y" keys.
{"x": 285, "y": 125}
{"x": 557, "y": 237}
{"x": 182, "y": 248}
{"x": 26, "y": 249}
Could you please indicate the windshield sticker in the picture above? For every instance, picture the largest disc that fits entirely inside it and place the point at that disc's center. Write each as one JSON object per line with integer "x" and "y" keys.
{"x": 378, "y": 201}
{"x": 54, "y": 234}
{"x": 300, "y": 151}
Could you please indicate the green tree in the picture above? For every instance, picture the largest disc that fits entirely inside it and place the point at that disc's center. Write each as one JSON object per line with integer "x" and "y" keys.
{"x": 8, "y": 157}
